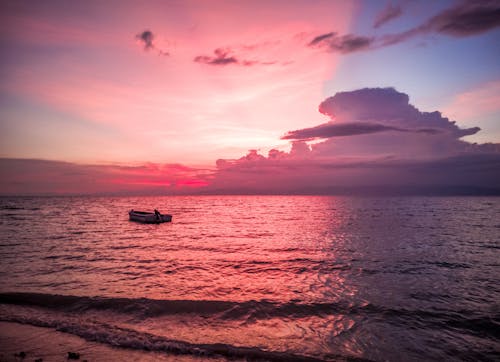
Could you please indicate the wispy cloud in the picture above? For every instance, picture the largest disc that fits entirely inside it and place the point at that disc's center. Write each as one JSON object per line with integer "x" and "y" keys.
{"x": 342, "y": 44}
{"x": 460, "y": 21}
{"x": 321, "y": 38}
{"x": 331, "y": 129}
{"x": 225, "y": 56}
{"x": 387, "y": 14}
{"x": 221, "y": 57}
{"x": 463, "y": 20}
{"x": 468, "y": 18}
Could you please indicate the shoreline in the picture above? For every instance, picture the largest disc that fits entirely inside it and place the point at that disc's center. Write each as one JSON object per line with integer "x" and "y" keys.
{"x": 50, "y": 345}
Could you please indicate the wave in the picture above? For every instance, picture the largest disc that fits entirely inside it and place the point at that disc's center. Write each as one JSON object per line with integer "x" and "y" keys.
{"x": 469, "y": 321}
{"x": 132, "y": 339}
{"x": 156, "y": 307}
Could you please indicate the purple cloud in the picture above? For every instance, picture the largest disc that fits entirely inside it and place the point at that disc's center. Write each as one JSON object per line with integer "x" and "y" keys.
{"x": 387, "y": 14}
{"x": 390, "y": 108}
{"x": 376, "y": 142}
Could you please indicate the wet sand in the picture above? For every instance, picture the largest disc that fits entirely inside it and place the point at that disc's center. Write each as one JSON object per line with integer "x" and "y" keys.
{"x": 51, "y": 345}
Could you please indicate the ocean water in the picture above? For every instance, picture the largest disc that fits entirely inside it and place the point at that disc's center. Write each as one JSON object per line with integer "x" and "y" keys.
{"x": 278, "y": 278}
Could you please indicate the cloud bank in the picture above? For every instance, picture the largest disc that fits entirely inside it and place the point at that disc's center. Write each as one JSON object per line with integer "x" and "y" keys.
{"x": 375, "y": 142}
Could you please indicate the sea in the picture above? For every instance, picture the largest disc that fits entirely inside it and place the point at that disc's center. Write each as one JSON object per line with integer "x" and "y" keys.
{"x": 260, "y": 278}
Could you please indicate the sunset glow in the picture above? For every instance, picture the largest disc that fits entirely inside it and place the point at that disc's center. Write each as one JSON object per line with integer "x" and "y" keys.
{"x": 110, "y": 87}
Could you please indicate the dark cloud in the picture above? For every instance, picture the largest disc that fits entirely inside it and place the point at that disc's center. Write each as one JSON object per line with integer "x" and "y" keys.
{"x": 147, "y": 39}
{"x": 468, "y": 18}
{"x": 321, "y": 38}
{"x": 342, "y": 44}
{"x": 391, "y": 108}
{"x": 462, "y": 20}
{"x": 389, "y": 13}
{"x": 331, "y": 129}
{"x": 224, "y": 56}
{"x": 221, "y": 57}
{"x": 465, "y": 19}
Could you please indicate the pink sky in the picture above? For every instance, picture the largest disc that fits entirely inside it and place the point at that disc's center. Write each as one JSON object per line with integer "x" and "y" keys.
{"x": 171, "y": 95}
{"x": 159, "y": 102}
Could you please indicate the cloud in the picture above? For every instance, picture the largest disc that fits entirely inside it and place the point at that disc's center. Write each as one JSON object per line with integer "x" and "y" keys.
{"x": 321, "y": 38}
{"x": 389, "y": 108}
{"x": 343, "y": 44}
{"x": 147, "y": 39}
{"x": 223, "y": 57}
{"x": 375, "y": 142}
{"x": 330, "y": 129}
{"x": 466, "y": 173}
{"x": 463, "y": 20}
{"x": 468, "y": 18}
{"x": 387, "y": 14}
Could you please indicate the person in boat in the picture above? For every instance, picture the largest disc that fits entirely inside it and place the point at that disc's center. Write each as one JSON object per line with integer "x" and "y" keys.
{"x": 158, "y": 215}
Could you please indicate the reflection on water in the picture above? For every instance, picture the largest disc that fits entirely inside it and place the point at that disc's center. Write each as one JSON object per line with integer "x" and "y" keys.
{"x": 378, "y": 278}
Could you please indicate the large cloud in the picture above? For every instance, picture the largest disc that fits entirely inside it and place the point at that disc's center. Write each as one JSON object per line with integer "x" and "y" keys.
{"x": 389, "y": 108}
{"x": 375, "y": 141}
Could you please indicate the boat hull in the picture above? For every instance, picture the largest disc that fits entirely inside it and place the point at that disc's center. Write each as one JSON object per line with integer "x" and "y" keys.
{"x": 149, "y": 217}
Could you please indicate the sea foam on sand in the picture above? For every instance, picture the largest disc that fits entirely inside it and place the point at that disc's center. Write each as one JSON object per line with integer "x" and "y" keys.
{"x": 51, "y": 345}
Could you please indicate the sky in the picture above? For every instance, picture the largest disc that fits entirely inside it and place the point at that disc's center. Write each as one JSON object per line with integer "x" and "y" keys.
{"x": 168, "y": 97}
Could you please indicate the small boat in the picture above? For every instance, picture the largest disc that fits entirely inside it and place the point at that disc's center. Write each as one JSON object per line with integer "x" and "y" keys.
{"x": 149, "y": 217}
